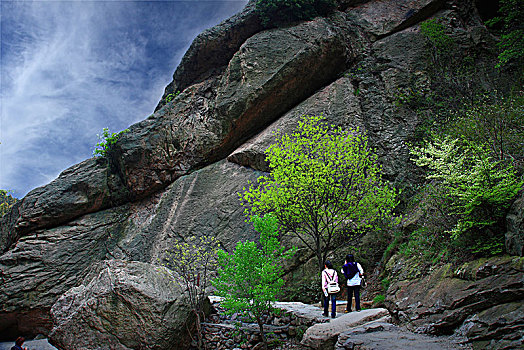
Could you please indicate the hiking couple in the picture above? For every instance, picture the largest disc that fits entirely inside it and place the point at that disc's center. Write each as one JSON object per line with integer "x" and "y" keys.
{"x": 353, "y": 272}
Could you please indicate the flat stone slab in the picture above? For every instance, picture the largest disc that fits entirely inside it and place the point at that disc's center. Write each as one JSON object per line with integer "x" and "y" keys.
{"x": 323, "y": 336}
{"x": 378, "y": 335}
{"x": 309, "y": 312}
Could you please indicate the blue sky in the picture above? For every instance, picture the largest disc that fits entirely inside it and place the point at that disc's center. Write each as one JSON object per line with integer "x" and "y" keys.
{"x": 71, "y": 68}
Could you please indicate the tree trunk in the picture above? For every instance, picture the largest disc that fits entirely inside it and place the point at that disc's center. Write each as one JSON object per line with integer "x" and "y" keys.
{"x": 262, "y": 334}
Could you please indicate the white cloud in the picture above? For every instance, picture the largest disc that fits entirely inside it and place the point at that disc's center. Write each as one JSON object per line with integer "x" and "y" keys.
{"x": 71, "y": 68}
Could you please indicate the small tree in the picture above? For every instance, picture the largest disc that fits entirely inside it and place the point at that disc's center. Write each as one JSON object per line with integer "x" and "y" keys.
{"x": 250, "y": 278}
{"x": 195, "y": 262}
{"x": 322, "y": 181}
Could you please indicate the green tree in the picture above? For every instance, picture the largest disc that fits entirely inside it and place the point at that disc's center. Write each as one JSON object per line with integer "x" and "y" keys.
{"x": 107, "y": 139}
{"x": 6, "y": 201}
{"x": 323, "y": 181}
{"x": 250, "y": 278}
{"x": 195, "y": 262}
{"x": 476, "y": 188}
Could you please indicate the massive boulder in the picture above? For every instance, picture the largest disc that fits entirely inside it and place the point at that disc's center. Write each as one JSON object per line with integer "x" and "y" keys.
{"x": 123, "y": 305}
{"x": 46, "y": 263}
{"x": 481, "y": 300}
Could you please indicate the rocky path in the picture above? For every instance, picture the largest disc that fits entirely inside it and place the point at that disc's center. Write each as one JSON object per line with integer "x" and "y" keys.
{"x": 368, "y": 329}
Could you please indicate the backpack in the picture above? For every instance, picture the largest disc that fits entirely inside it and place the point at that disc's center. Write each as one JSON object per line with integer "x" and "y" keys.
{"x": 350, "y": 270}
{"x": 332, "y": 287}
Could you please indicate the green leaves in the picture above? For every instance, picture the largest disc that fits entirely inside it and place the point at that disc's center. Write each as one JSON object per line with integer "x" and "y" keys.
{"x": 107, "y": 139}
{"x": 512, "y": 38}
{"x": 250, "y": 278}
{"x": 322, "y": 180}
{"x": 478, "y": 188}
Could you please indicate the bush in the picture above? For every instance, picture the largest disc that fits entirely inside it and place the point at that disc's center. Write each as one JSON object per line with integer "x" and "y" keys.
{"x": 497, "y": 123}
{"x": 107, "y": 139}
{"x": 512, "y": 36}
{"x": 278, "y": 12}
{"x": 6, "y": 202}
{"x": 378, "y": 300}
{"x": 472, "y": 188}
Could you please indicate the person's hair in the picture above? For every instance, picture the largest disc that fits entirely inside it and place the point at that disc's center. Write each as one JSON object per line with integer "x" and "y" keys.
{"x": 350, "y": 258}
{"x": 19, "y": 341}
{"x": 328, "y": 264}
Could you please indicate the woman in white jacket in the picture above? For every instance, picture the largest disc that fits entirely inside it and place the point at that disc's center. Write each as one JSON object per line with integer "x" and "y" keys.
{"x": 354, "y": 273}
{"x": 329, "y": 275}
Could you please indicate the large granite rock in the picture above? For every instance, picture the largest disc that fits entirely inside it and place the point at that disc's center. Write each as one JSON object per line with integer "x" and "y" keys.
{"x": 123, "y": 305}
{"x": 337, "y": 102}
{"x": 212, "y": 49}
{"x": 271, "y": 72}
{"x": 203, "y": 203}
{"x": 382, "y": 17}
{"x": 45, "y": 264}
{"x": 86, "y": 187}
{"x": 473, "y": 298}
{"x": 515, "y": 226}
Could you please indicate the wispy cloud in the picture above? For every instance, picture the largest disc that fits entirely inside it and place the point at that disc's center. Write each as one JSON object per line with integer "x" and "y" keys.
{"x": 70, "y": 68}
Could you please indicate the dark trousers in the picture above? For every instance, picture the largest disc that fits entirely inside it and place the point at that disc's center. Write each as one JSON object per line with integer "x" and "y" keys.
{"x": 333, "y": 298}
{"x": 353, "y": 290}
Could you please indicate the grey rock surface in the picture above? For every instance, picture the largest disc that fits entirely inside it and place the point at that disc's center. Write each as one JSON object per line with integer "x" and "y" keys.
{"x": 212, "y": 49}
{"x": 383, "y": 17}
{"x": 86, "y": 187}
{"x": 123, "y": 305}
{"x": 336, "y": 102}
{"x": 36, "y": 344}
{"x": 380, "y": 335}
{"x": 323, "y": 336}
{"x": 45, "y": 264}
{"x": 469, "y": 300}
{"x": 202, "y": 203}
{"x": 515, "y": 226}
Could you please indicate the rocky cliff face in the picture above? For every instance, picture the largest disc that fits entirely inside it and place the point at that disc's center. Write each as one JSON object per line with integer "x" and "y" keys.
{"x": 178, "y": 171}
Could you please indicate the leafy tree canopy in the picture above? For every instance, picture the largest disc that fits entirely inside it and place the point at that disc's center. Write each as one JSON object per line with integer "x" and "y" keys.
{"x": 323, "y": 181}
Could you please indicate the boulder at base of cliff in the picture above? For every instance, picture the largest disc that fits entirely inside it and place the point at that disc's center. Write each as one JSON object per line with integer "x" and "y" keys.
{"x": 481, "y": 300}
{"x": 123, "y": 305}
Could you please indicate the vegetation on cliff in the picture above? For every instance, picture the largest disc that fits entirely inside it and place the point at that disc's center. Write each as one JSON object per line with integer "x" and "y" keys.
{"x": 277, "y": 12}
{"x": 6, "y": 201}
{"x": 107, "y": 140}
